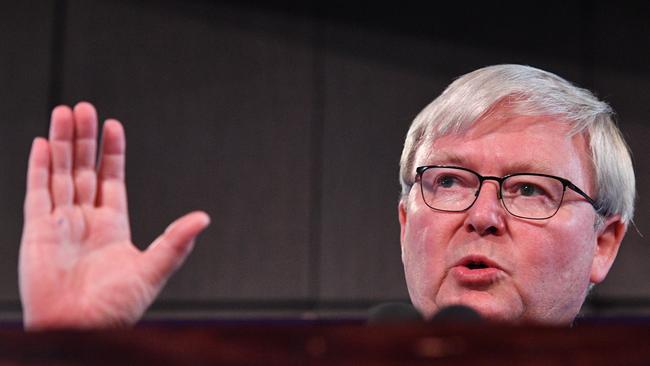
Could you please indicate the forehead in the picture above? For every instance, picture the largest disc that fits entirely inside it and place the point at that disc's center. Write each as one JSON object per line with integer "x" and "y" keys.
{"x": 506, "y": 145}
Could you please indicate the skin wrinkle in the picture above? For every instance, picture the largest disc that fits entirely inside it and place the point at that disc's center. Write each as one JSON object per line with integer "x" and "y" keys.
{"x": 544, "y": 278}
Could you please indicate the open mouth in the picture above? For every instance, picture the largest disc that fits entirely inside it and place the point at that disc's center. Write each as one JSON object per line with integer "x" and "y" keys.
{"x": 476, "y": 271}
{"x": 477, "y": 262}
{"x": 476, "y": 265}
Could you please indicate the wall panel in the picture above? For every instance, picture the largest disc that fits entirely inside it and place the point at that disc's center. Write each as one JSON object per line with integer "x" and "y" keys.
{"x": 25, "y": 35}
{"x": 216, "y": 102}
{"x": 622, "y": 77}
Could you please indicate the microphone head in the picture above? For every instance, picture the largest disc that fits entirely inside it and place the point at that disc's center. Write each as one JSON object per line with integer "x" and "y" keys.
{"x": 393, "y": 313}
{"x": 457, "y": 314}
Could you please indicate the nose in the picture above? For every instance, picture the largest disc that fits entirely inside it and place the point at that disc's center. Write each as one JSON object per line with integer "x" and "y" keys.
{"x": 486, "y": 216}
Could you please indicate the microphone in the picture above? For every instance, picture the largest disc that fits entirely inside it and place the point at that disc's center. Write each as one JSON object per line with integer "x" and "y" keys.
{"x": 399, "y": 312}
{"x": 457, "y": 314}
{"x": 393, "y": 313}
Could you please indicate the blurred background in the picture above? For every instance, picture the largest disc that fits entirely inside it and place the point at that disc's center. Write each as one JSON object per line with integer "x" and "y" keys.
{"x": 285, "y": 122}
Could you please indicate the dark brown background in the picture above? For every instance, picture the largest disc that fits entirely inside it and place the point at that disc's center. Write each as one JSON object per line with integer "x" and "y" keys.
{"x": 285, "y": 122}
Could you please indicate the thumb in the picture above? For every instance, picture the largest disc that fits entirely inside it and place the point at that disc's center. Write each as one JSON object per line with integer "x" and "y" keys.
{"x": 168, "y": 252}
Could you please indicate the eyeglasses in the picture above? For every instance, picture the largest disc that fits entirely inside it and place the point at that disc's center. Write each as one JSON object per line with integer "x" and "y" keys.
{"x": 526, "y": 195}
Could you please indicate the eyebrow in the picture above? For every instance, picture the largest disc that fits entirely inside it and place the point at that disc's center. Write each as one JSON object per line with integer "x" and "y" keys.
{"x": 529, "y": 167}
{"x": 448, "y": 158}
{"x": 444, "y": 159}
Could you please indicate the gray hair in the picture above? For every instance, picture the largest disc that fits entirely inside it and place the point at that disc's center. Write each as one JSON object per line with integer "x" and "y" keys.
{"x": 530, "y": 91}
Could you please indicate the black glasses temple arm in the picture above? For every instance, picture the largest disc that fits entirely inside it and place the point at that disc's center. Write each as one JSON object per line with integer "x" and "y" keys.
{"x": 583, "y": 194}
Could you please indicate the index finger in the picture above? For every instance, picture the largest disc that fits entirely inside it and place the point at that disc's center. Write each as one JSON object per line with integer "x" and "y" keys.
{"x": 111, "y": 187}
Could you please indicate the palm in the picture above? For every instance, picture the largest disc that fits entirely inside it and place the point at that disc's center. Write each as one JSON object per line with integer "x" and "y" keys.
{"x": 84, "y": 254}
{"x": 78, "y": 267}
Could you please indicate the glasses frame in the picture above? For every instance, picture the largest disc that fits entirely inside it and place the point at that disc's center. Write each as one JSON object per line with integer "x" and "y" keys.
{"x": 565, "y": 183}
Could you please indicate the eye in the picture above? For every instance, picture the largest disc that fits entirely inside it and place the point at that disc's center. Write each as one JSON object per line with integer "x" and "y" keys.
{"x": 446, "y": 181}
{"x": 527, "y": 189}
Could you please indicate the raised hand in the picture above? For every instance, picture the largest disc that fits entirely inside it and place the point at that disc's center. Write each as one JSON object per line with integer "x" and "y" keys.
{"x": 78, "y": 267}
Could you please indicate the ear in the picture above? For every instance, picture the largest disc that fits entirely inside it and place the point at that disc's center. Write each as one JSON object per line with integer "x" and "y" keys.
{"x": 401, "y": 214}
{"x": 608, "y": 241}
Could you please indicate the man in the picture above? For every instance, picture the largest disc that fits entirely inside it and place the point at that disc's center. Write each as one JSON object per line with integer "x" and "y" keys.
{"x": 517, "y": 189}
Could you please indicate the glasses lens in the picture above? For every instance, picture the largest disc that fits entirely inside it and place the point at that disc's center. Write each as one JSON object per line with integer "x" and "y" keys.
{"x": 449, "y": 189}
{"x": 532, "y": 196}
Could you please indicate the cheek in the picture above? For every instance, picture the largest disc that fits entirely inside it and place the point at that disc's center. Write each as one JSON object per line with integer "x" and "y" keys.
{"x": 426, "y": 241}
{"x": 573, "y": 241}
{"x": 558, "y": 261}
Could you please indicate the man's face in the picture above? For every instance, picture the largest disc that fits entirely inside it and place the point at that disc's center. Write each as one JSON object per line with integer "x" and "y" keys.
{"x": 538, "y": 270}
